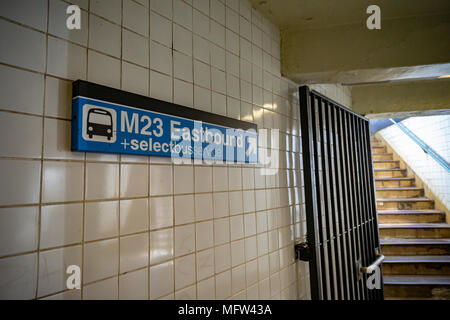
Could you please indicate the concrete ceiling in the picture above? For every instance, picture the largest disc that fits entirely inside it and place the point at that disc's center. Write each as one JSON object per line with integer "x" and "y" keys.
{"x": 309, "y": 14}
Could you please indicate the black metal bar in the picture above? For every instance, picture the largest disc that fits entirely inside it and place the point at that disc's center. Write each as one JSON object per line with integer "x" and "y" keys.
{"x": 373, "y": 204}
{"x": 339, "y": 188}
{"x": 365, "y": 199}
{"x": 346, "y": 211}
{"x": 317, "y": 154}
{"x": 362, "y": 239}
{"x": 329, "y": 109}
{"x": 351, "y": 200}
{"x": 326, "y": 201}
{"x": 310, "y": 195}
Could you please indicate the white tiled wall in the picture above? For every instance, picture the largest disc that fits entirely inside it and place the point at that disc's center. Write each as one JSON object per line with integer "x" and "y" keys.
{"x": 143, "y": 227}
{"x": 435, "y": 131}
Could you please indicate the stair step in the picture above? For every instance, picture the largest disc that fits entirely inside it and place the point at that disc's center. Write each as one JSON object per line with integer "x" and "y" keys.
{"x": 386, "y": 164}
{"x": 415, "y": 246}
{"x": 382, "y": 156}
{"x": 410, "y": 216}
{"x": 416, "y": 265}
{"x": 426, "y": 286}
{"x": 400, "y": 192}
{"x": 378, "y": 149}
{"x": 389, "y": 173}
{"x": 414, "y": 230}
{"x": 397, "y": 182}
{"x": 405, "y": 203}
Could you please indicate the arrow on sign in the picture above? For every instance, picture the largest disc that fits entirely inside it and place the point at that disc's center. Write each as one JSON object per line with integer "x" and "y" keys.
{"x": 251, "y": 146}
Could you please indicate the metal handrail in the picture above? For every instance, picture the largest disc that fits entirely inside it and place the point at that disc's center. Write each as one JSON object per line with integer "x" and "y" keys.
{"x": 374, "y": 265}
{"x": 425, "y": 147}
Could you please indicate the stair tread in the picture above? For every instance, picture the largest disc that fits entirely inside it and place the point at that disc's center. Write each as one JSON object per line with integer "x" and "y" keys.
{"x": 417, "y": 259}
{"x": 393, "y": 178}
{"x": 416, "y": 279}
{"x": 382, "y": 161}
{"x": 389, "y": 169}
{"x": 417, "y": 211}
{"x": 398, "y": 188}
{"x": 413, "y": 225}
{"x": 418, "y": 241}
{"x": 404, "y": 199}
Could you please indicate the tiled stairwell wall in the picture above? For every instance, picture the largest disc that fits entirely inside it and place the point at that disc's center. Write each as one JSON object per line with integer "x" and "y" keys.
{"x": 142, "y": 227}
{"x": 435, "y": 131}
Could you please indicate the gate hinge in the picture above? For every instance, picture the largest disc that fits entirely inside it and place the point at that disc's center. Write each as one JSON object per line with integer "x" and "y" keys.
{"x": 302, "y": 251}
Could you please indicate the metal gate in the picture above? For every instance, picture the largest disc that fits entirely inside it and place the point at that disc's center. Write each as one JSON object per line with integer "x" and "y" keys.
{"x": 341, "y": 214}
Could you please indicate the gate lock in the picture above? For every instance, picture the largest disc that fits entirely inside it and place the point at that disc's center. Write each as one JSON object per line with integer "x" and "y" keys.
{"x": 302, "y": 251}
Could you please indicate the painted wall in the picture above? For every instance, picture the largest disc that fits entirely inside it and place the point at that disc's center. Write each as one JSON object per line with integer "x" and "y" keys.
{"x": 435, "y": 131}
{"x": 142, "y": 227}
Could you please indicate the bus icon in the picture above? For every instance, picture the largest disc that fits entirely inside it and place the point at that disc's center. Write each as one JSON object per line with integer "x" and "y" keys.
{"x": 98, "y": 124}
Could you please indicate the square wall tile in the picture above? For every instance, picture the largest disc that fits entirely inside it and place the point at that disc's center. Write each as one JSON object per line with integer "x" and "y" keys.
{"x": 101, "y": 260}
{"x": 134, "y": 285}
{"x": 203, "y": 179}
{"x": 184, "y": 209}
{"x": 182, "y": 40}
{"x": 18, "y": 230}
{"x": 62, "y": 181}
{"x": 52, "y": 268}
{"x": 161, "y": 279}
{"x": 206, "y": 289}
{"x": 101, "y": 220}
{"x": 204, "y": 235}
{"x": 135, "y": 48}
{"x": 104, "y": 36}
{"x": 183, "y": 93}
{"x": 223, "y": 285}
{"x": 27, "y": 133}
{"x": 205, "y": 264}
{"x": 19, "y": 275}
{"x": 163, "y": 7}
{"x": 109, "y": 9}
{"x": 161, "y": 246}
{"x": 57, "y": 21}
{"x": 182, "y": 14}
{"x": 203, "y": 206}
{"x": 21, "y": 100}
{"x": 135, "y": 79}
{"x": 221, "y": 208}
{"x": 135, "y": 17}
{"x": 184, "y": 271}
{"x": 133, "y": 180}
{"x": 183, "y": 179}
{"x": 61, "y": 225}
{"x": 161, "y": 86}
{"x": 102, "y": 290}
{"x": 160, "y": 58}
{"x": 35, "y": 16}
{"x": 184, "y": 239}
{"x": 133, "y": 216}
{"x": 222, "y": 257}
{"x": 221, "y": 231}
{"x": 103, "y": 69}
{"x": 160, "y": 29}
{"x": 102, "y": 181}
{"x": 22, "y": 46}
{"x": 161, "y": 212}
{"x": 133, "y": 252}
{"x": 65, "y": 59}
{"x": 160, "y": 180}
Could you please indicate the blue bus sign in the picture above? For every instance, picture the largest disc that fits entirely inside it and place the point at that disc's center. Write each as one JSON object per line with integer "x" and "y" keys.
{"x": 113, "y": 121}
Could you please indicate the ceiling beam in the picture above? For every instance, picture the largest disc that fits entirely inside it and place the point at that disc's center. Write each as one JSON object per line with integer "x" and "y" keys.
{"x": 353, "y": 54}
{"x": 403, "y": 98}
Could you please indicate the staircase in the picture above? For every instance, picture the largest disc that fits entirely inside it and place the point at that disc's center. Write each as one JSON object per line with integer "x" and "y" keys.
{"x": 414, "y": 236}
